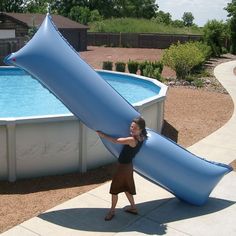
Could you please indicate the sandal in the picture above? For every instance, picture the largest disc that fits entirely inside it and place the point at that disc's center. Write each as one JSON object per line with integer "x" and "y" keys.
{"x": 132, "y": 211}
{"x": 109, "y": 215}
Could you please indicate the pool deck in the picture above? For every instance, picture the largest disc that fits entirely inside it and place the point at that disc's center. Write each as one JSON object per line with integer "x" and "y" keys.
{"x": 160, "y": 213}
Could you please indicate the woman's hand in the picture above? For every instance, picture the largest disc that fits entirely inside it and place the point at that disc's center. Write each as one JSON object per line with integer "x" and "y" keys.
{"x": 101, "y": 134}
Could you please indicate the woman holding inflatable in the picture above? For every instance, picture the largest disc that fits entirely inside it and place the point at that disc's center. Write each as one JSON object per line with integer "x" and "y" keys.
{"x": 123, "y": 180}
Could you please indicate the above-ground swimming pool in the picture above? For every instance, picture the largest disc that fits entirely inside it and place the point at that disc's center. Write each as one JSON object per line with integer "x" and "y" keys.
{"x": 23, "y": 96}
{"x": 39, "y": 136}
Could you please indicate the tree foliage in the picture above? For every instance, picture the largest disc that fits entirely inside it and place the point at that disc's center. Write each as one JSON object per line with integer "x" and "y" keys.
{"x": 214, "y": 34}
{"x": 188, "y": 19}
{"x": 37, "y": 6}
{"x": 166, "y": 18}
{"x": 80, "y": 14}
{"x": 110, "y": 8}
{"x": 163, "y": 17}
{"x": 136, "y": 8}
{"x": 11, "y": 5}
{"x": 178, "y": 23}
{"x": 231, "y": 9}
{"x": 106, "y": 8}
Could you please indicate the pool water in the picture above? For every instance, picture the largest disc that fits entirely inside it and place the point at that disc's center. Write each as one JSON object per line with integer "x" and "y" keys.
{"x": 23, "y": 96}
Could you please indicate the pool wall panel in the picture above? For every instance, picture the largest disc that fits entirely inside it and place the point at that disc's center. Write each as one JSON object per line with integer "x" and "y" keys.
{"x": 153, "y": 114}
{"x": 47, "y": 148}
{"x": 96, "y": 153}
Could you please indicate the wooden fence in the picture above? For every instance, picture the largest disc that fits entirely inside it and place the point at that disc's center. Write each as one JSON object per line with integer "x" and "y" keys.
{"x": 138, "y": 40}
{"x": 132, "y": 40}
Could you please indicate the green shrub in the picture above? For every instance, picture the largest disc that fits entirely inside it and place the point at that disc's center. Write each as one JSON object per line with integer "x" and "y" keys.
{"x": 157, "y": 65}
{"x": 107, "y": 65}
{"x": 189, "y": 78}
{"x": 156, "y": 75}
{"x": 148, "y": 70}
{"x": 152, "y": 72}
{"x": 207, "y": 53}
{"x": 182, "y": 58}
{"x": 120, "y": 66}
{"x": 198, "y": 83}
{"x": 205, "y": 49}
{"x": 224, "y": 50}
{"x": 205, "y": 73}
{"x": 142, "y": 66}
{"x": 133, "y": 66}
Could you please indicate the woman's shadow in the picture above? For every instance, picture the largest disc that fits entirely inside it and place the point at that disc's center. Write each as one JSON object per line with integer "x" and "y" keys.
{"x": 153, "y": 217}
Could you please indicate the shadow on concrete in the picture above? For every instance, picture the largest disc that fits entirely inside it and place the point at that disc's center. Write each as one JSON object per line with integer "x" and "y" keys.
{"x": 152, "y": 219}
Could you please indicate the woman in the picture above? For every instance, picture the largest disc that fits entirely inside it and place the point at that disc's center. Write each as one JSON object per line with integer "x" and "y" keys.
{"x": 123, "y": 180}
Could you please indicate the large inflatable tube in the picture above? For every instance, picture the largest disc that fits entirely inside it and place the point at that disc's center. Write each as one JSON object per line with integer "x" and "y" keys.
{"x": 49, "y": 58}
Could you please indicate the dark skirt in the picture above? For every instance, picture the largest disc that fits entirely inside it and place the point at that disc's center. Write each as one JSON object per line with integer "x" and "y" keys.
{"x": 123, "y": 180}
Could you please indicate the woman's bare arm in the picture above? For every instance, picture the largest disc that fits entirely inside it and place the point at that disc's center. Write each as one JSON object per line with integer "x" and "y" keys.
{"x": 125, "y": 141}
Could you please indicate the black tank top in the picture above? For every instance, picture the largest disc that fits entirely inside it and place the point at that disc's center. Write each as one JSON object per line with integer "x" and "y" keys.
{"x": 128, "y": 153}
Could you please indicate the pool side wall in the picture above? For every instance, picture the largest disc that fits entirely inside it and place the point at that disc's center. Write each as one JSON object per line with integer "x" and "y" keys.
{"x": 54, "y": 145}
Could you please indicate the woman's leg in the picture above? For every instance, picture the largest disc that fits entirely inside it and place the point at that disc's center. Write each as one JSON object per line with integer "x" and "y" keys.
{"x": 114, "y": 200}
{"x": 131, "y": 200}
{"x": 111, "y": 213}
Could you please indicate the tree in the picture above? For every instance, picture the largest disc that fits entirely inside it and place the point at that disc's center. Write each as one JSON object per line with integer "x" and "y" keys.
{"x": 162, "y": 17}
{"x": 11, "y": 5}
{"x": 178, "y": 23}
{"x": 95, "y": 16}
{"x": 106, "y": 8}
{"x": 64, "y": 7}
{"x": 144, "y": 8}
{"x": 188, "y": 19}
{"x": 125, "y": 8}
{"x": 135, "y": 8}
{"x": 231, "y": 8}
{"x": 80, "y": 14}
{"x": 38, "y": 6}
{"x": 214, "y": 32}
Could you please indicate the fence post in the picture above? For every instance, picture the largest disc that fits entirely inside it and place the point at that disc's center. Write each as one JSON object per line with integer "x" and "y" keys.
{"x": 120, "y": 40}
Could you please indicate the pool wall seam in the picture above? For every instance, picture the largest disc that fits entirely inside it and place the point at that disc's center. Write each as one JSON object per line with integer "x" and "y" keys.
{"x": 11, "y": 151}
{"x": 82, "y": 165}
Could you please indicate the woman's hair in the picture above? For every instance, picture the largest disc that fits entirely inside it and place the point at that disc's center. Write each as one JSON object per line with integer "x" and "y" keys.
{"x": 141, "y": 124}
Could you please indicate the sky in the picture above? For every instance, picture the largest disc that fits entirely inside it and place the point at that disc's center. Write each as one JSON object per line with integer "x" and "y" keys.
{"x": 202, "y": 10}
